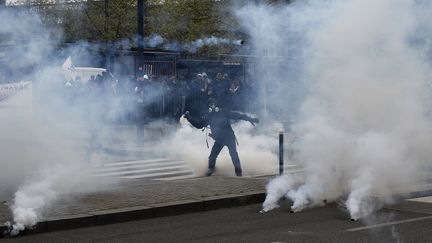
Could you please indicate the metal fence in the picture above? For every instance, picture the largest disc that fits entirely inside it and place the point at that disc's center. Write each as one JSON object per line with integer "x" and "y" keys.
{"x": 155, "y": 63}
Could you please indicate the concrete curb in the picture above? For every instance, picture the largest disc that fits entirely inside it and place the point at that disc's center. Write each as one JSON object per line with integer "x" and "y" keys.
{"x": 111, "y": 216}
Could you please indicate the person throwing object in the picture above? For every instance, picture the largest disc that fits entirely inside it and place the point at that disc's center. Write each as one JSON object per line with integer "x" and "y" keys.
{"x": 219, "y": 121}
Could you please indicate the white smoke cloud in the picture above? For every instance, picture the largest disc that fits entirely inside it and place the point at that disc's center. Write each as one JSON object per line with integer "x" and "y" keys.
{"x": 21, "y": 33}
{"x": 154, "y": 40}
{"x": 35, "y": 197}
{"x": 278, "y": 188}
{"x": 44, "y": 135}
{"x": 365, "y": 115}
{"x": 41, "y": 160}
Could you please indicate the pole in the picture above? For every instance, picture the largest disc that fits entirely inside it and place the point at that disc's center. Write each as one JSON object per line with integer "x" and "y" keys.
{"x": 107, "y": 36}
{"x": 281, "y": 152}
{"x": 140, "y": 62}
{"x": 140, "y": 34}
{"x": 183, "y": 104}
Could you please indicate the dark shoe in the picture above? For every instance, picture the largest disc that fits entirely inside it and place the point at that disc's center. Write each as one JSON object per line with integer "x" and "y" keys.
{"x": 210, "y": 171}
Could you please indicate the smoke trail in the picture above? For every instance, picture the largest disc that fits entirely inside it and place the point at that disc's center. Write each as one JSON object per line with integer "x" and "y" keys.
{"x": 365, "y": 107}
{"x": 278, "y": 188}
{"x": 194, "y": 46}
{"x": 39, "y": 193}
{"x": 359, "y": 200}
{"x": 155, "y": 40}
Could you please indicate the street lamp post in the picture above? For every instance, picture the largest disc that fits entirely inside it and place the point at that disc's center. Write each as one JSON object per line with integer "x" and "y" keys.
{"x": 140, "y": 34}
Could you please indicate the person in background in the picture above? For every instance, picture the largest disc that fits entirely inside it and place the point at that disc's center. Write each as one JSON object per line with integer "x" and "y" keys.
{"x": 140, "y": 113}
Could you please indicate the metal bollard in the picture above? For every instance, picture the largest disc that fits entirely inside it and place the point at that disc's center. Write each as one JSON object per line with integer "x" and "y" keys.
{"x": 183, "y": 104}
{"x": 281, "y": 152}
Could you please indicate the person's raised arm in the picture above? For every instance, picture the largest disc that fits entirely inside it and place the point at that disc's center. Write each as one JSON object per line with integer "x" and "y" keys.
{"x": 196, "y": 122}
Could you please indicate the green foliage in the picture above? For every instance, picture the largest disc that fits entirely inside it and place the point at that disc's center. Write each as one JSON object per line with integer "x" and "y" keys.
{"x": 94, "y": 20}
{"x": 184, "y": 20}
{"x": 109, "y": 20}
{"x": 175, "y": 20}
{"x": 189, "y": 20}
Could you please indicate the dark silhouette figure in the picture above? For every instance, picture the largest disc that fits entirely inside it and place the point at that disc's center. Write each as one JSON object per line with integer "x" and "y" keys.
{"x": 219, "y": 121}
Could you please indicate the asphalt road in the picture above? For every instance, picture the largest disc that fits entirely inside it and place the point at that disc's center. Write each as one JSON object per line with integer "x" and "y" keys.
{"x": 245, "y": 224}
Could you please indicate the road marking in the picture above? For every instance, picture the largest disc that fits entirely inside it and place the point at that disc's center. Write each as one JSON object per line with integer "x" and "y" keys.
{"x": 172, "y": 169}
{"x": 132, "y": 162}
{"x": 161, "y": 168}
{"x": 157, "y": 175}
{"x": 389, "y": 224}
{"x": 138, "y": 166}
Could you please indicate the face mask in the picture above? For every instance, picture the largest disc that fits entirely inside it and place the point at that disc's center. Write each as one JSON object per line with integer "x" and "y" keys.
{"x": 213, "y": 108}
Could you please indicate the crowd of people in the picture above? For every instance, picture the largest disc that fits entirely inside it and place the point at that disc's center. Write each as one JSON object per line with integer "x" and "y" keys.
{"x": 148, "y": 97}
{"x": 171, "y": 96}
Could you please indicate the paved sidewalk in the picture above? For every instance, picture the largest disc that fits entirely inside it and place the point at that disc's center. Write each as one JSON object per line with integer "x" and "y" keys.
{"x": 141, "y": 199}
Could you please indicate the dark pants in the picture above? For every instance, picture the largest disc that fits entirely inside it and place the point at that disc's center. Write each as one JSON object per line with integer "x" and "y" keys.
{"x": 217, "y": 147}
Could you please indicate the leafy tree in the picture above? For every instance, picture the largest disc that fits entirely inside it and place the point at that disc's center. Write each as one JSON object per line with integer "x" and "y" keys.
{"x": 189, "y": 20}
{"x": 92, "y": 20}
{"x": 109, "y": 19}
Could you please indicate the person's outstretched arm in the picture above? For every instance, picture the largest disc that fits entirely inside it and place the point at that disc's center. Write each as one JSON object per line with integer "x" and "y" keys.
{"x": 196, "y": 122}
{"x": 239, "y": 116}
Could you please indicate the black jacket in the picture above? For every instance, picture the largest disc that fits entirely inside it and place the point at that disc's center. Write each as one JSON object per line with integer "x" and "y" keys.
{"x": 220, "y": 123}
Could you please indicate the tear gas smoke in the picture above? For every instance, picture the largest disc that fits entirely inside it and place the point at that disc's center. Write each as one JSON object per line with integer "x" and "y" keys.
{"x": 12, "y": 32}
{"x": 40, "y": 192}
{"x": 155, "y": 40}
{"x": 41, "y": 160}
{"x": 209, "y": 41}
{"x": 43, "y": 133}
{"x": 278, "y": 188}
{"x": 365, "y": 99}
